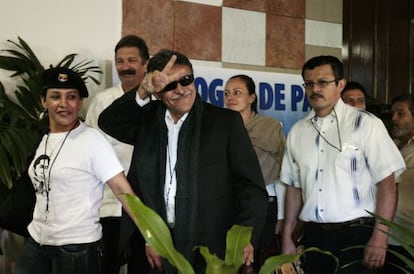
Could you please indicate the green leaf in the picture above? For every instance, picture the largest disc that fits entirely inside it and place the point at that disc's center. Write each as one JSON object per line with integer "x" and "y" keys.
{"x": 32, "y": 57}
{"x": 404, "y": 259}
{"x": 156, "y": 234}
{"x": 238, "y": 237}
{"x": 214, "y": 264}
{"x": 276, "y": 262}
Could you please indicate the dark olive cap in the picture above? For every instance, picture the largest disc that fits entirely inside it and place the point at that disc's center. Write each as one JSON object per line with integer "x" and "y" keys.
{"x": 61, "y": 77}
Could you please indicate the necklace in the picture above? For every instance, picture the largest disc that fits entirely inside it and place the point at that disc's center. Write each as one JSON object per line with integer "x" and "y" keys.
{"x": 171, "y": 170}
{"x": 323, "y": 137}
{"x": 50, "y": 166}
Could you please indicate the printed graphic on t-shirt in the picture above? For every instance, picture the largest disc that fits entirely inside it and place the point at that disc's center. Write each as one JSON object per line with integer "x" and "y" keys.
{"x": 40, "y": 170}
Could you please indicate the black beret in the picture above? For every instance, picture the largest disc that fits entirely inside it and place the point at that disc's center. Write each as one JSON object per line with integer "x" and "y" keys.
{"x": 61, "y": 77}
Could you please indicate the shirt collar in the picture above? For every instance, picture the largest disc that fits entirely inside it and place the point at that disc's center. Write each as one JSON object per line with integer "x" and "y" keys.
{"x": 338, "y": 111}
{"x": 169, "y": 118}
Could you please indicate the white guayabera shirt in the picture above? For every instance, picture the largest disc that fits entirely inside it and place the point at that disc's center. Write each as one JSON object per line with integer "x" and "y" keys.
{"x": 337, "y": 161}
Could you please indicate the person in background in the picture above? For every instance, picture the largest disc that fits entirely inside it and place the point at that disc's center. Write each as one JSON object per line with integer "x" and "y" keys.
{"x": 131, "y": 59}
{"x": 268, "y": 141}
{"x": 11, "y": 245}
{"x": 403, "y": 131}
{"x": 193, "y": 163}
{"x": 339, "y": 164}
{"x": 354, "y": 94}
{"x": 65, "y": 233}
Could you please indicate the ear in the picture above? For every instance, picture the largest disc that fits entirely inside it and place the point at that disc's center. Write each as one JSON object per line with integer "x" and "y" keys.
{"x": 43, "y": 101}
{"x": 341, "y": 85}
{"x": 252, "y": 97}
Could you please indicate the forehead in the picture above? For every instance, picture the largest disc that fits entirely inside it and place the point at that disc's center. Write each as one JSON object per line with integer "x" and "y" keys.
{"x": 178, "y": 67}
{"x": 400, "y": 106}
{"x": 353, "y": 93}
{"x": 318, "y": 72}
{"x": 236, "y": 81}
{"x": 127, "y": 51}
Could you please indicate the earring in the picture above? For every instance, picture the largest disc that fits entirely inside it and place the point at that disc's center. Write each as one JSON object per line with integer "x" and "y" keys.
{"x": 43, "y": 114}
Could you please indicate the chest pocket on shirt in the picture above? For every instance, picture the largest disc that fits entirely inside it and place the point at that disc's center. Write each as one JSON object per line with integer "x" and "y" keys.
{"x": 350, "y": 160}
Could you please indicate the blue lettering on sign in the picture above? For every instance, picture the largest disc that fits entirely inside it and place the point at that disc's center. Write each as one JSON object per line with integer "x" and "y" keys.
{"x": 279, "y": 96}
{"x": 216, "y": 96}
{"x": 210, "y": 92}
{"x": 265, "y": 96}
{"x": 200, "y": 83}
{"x": 268, "y": 96}
{"x": 296, "y": 96}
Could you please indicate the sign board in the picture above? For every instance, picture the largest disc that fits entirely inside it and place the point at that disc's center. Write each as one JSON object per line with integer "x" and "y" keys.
{"x": 280, "y": 95}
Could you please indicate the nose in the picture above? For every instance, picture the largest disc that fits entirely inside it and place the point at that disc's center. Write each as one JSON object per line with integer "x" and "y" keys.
{"x": 123, "y": 65}
{"x": 179, "y": 89}
{"x": 62, "y": 102}
{"x": 394, "y": 117}
{"x": 315, "y": 88}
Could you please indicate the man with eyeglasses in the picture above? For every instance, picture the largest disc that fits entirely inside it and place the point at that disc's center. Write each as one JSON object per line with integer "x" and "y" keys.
{"x": 354, "y": 94}
{"x": 193, "y": 162}
{"x": 339, "y": 163}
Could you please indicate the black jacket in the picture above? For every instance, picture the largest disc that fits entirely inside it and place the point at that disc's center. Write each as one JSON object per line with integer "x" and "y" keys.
{"x": 224, "y": 184}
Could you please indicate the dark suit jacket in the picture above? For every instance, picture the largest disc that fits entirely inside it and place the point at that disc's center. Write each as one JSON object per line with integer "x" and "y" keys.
{"x": 230, "y": 183}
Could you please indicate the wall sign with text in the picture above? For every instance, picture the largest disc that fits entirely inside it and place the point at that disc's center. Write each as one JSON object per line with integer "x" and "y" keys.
{"x": 280, "y": 95}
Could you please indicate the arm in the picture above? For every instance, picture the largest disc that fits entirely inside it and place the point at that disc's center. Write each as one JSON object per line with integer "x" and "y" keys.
{"x": 119, "y": 186}
{"x": 120, "y": 120}
{"x": 293, "y": 204}
{"x": 249, "y": 182}
{"x": 375, "y": 250}
{"x": 280, "y": 194}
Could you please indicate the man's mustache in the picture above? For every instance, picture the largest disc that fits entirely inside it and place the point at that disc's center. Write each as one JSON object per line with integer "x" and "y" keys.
{"x": 315, "y": 95}
{"x": 178, "y": 96}
{"x": 127, "y": 72}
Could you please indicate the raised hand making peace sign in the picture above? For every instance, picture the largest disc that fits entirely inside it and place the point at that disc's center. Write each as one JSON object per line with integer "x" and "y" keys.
{"x": 155, "y": 81}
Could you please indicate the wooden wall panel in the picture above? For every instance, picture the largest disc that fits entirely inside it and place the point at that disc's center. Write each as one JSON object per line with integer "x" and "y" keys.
{"x": 378, "y": 46}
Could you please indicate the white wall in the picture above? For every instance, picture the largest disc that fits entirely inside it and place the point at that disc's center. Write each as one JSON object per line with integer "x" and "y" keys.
{"x": 55, "y": 28}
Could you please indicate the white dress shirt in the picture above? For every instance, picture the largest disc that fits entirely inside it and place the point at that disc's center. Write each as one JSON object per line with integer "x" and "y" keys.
{"x": 170, "y": 186}
{"x": 337, "y": 161}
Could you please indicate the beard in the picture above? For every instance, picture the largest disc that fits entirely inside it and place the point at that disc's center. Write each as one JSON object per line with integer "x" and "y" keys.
{"x": 398, "y": 132}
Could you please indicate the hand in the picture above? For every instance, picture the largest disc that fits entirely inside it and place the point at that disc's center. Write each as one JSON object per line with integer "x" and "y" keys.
{"x": 248, "y": 254}
{"x": 155, "y": 81}
{"x": 279, "y": 227}
{"x": 374, "y": 254}
{"x": 153, "y": 258}
{"x": 288, "y": 246}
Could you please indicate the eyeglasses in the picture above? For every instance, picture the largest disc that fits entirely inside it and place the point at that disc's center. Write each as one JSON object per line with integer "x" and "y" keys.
{"x": 320, "y": 83}
{"x": 184, "y": 81}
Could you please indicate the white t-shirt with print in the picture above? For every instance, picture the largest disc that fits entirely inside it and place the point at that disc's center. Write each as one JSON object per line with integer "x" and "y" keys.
{"x": 78, "y": 166}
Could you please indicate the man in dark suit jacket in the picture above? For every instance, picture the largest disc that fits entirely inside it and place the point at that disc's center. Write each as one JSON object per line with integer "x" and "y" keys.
{"x": 193, "y": 163}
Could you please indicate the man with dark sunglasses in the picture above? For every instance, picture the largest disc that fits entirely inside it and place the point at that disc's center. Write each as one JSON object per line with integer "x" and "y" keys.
{"x": 193, "y": 162}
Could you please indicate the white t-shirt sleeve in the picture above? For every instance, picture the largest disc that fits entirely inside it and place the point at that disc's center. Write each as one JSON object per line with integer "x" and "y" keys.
{"x": 105, "y": 163}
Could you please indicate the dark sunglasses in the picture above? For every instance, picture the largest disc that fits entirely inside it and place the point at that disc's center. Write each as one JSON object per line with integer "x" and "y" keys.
{"x": 184, "y": 81}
